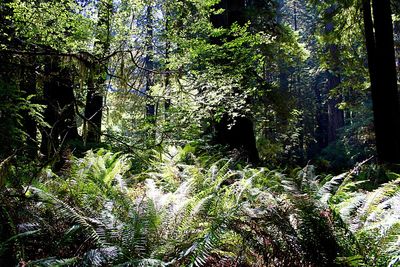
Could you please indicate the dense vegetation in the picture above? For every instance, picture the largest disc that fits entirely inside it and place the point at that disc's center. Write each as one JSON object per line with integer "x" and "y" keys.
{"x": 199, "y": 133}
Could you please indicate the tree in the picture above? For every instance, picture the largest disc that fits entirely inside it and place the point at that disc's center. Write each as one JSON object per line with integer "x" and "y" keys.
{"x": 382, "y": 68}
{"x": 59, "y": 98}
{"x": 149, "y": 63}
{"x": 397, "y": 42}
{"x": 18, "y": 79}
{"x": 97, "y": 74}
{"x": 237, "y": 132}
{"x": 335, "y": 116}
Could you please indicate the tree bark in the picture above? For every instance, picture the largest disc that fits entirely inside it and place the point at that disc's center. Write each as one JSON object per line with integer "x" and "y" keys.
{"x": 241, "y": 135}
{"x": 60, "y": 108}
{"x": 150, "y": 106}
{"x": 335, "y": 116}
{"x": 321, "y": 130}
{"x": 283, "y": 68}
{"x": 397, "y": 48}
{"x": 97, "y": 77}
{"x": 382, "y": 69}
{"x": 94, "y": 106}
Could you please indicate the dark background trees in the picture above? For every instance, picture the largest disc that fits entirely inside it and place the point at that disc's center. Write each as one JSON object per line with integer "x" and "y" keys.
{"x": 278, "y": 81}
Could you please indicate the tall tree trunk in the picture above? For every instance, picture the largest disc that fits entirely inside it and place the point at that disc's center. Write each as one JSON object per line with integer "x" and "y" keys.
{"x": 321, "y": 131}
{"x": 397, "y": 48}
{"x": 241, "y": 135}
{"x": 94, "y": 105}
{"x": 151, "y": 103}
{"x": 97, "y": 77}
{"x": 60, "y": 108}
{"x": 283, "y": 77}
{"x": 335, "y": 116}
{"x": 382, "y": 68}
{"x": 283, "y": 68}
{"x": 167, "y": 101}
{"x": 150, "y": 106}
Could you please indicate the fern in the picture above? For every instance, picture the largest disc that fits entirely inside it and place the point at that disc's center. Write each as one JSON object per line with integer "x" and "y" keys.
{"x": 100, "y": 256}
{"x": 90, "y": 225}
{"x": 53, "y": 261}
{"x": 184, "y": 212}
{"x": 373, "y": 218}
{"x": 4, "y": 245}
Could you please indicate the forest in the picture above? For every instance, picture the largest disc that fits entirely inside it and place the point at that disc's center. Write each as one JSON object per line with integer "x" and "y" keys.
{"x": 220, "y": 133}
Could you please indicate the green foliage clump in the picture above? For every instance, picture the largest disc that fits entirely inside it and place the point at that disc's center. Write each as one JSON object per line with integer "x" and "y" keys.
{"x": 369, "y": 212}
{"x": 14, "y": 109}
{"x": 189, "y": 210}
{"x": 183, "y": 212}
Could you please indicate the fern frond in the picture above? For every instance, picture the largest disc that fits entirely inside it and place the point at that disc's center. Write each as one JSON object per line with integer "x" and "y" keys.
{"x": 201, "y": 249}
{"x": 379, "y": 195}
{"x": 7, "y": 243}
{"x": 73, "y": 214}
{"x": 348, "y": 210}
{"x": 53, "y": 261}
{"x": 100, "y": 256}
{"x": 352, "y": 261}
{"x": 330, "y": 187}
{"x": 143, "y": 263}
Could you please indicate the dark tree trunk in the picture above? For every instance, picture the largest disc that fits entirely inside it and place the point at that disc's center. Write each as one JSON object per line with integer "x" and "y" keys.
{"x": 234, "y": 12}
{"x": 150, "y": 106}
{"x": 167, "y": 101}
{"x": 283, "y": 68}
{"x": 397, "y": 48}
{"x": 97, "y": 78}
{"x": 282, "y": 115}
{"x": 7, "y": 83}
{"x": 60, "y": 108}
{"x": 241, "y": 135}
{"x": 382, "y": 68}
{"x": 335, "y": 116}
{"x": 328, "y": 117}
{"x": 94, "y": 107}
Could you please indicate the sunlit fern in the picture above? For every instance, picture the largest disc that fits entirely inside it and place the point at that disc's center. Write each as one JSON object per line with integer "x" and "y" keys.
{"x": 182, "y": 212}
{"x": 372, "y": 216}
{"x": 212, "y": 205}
{"x": 92, "y": 200}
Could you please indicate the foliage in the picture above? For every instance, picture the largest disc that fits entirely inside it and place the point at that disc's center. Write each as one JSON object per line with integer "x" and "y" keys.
{"x": 59, "y": 25}
{"x": 15, "y": 107}
{"x": 164, "y": 190}
{"x": 193, "y": 211}
{"x": 176, "y": 213}
{"x": 370, "y": 215}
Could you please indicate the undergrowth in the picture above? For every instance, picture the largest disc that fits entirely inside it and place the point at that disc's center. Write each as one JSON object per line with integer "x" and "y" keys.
{"x": 188, "y": 210}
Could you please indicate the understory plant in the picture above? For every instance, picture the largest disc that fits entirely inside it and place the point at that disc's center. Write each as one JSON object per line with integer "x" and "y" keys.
{"x": 188, "y": 210}
{"x": 370, "y": 213}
